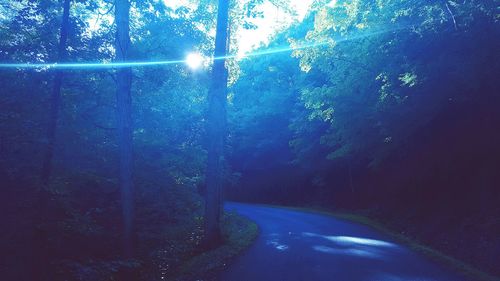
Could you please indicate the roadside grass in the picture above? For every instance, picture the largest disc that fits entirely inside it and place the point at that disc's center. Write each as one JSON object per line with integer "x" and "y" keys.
{"x": 453, "y": 263}
{"x": 238, "y": 233}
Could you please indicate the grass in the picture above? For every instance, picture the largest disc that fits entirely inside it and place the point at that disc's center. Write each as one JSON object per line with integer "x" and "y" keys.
{"x": 451, "y": 262}
{"x": 238, "y": 232}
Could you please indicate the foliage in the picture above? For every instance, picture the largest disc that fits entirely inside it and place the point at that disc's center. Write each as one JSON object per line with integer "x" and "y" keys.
{"x": 392, "y": 48}
{"x": 168, "y": 113}
{"x": 379, "y": 92}
{"x": 238, "y": 232}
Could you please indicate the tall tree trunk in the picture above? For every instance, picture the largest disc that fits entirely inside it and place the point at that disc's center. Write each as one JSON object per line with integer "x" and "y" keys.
{"x": 39, "y": 264}
{"x": 216, "y": 129}
{"x": 55, "y": 99}
{"x": 124, "y": 119}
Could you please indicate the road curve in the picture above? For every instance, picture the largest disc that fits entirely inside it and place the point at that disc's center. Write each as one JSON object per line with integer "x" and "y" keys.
{"x": 302, "y": 246}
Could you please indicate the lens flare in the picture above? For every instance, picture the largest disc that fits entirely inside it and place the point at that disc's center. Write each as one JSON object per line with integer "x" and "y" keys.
{"x": 194, "y": 60}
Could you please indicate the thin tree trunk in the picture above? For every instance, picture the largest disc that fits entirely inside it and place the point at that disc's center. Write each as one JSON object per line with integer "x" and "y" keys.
{"x": 124, "y": 120}
{"x": 216, "y": 129}
{"x": 55, "y": 99}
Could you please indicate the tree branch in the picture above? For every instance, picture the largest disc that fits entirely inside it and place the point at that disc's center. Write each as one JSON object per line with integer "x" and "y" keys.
{"x": 451, "y": 14}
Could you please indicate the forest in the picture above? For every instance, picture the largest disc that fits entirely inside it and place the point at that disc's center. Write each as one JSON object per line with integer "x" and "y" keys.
{"x": 126, "y": 125}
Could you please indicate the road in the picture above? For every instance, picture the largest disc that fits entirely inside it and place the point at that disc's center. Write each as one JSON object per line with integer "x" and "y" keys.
{"x": 302, "y": 246}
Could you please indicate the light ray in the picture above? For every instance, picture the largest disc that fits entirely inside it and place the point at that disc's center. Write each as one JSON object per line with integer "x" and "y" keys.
{"x": 112, "y": 65}
{"x": 92, "y": 65}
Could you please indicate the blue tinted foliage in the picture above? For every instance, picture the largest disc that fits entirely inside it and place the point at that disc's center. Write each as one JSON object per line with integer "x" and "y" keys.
{"x": 390, "y": 107}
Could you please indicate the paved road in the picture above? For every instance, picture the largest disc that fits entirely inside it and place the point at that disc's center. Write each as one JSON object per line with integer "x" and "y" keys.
{"x": 295, "y": 245}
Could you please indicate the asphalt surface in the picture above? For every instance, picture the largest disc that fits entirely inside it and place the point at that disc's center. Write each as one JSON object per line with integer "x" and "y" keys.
{"x": 294, "y": 245}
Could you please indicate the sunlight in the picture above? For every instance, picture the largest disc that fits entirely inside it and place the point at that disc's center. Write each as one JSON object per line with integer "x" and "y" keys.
{"x": 275, "y": 243}
{"x": 272, "y": 20}
{"x": 194, "y": 60}
{"x": 175, "y": 4}
{"x": 360, "y": 241}
{"x": 351, "y": 252}
{"x": 349, "y": 240}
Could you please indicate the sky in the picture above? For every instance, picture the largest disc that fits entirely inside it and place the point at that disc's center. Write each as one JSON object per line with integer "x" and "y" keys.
{"x": 273, "y": 21}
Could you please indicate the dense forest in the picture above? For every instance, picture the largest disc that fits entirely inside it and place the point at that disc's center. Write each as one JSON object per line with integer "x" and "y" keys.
{"x": 401, "y": 124}
{"x": 117, "y": 171}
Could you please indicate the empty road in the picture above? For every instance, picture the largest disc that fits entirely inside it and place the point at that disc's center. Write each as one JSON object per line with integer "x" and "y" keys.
{"x": 301, "y": 246}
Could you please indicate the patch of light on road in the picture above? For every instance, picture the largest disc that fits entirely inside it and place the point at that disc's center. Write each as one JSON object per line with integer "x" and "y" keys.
{"x": 351, "y": 252}
{"x": 357, "y": 240}
{"x": 275, "y": 243}
{"x": 350, "y": 240}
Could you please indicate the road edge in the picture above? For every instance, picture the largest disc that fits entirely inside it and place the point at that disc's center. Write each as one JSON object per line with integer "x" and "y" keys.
{"x": 239, "y": 234}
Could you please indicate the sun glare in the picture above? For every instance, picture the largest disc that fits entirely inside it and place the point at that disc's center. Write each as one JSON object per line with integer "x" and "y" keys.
{"x": 194, "y": 60}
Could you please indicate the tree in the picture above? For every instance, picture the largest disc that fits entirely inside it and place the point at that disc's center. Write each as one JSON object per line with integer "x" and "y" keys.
{"x": 124, "y": 120}
{"x": 56, "y": 96}
{"x": 216, "y": 128}
{"x": 40, "y": 235}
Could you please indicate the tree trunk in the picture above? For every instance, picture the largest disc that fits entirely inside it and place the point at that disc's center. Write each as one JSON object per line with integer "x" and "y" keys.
{"x": 216, "y": 129}
{"x": 39, "y": 262}
{"x": 55, "y": 99}
{"x": 124, "y": 120}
